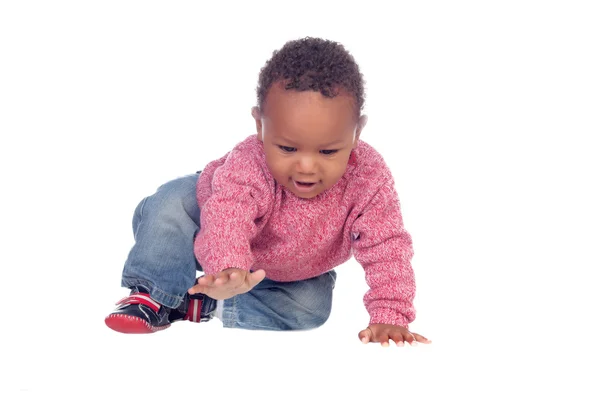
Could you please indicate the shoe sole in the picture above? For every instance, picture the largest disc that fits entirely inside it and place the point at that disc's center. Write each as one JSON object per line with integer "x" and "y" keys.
{"x": 128, "y": 324}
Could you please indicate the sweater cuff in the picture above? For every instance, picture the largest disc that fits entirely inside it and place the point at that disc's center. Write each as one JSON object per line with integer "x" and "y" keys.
{"x": 217, "y": 269}
{"x": 387, "y": 316}
{"x": 213, "y": 268}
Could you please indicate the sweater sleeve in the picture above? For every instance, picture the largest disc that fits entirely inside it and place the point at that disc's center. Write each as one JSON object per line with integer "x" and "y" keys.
{"x": 384, "y": 249}
{"x": 229, "y": 218}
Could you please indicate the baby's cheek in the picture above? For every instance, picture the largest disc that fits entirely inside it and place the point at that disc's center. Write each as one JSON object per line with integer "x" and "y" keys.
{"x": 276, "y": 168}
{"x": 340, "y": 169}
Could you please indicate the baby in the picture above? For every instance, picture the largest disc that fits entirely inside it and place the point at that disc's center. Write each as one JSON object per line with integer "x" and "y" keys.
{"x": 269, "y": 221}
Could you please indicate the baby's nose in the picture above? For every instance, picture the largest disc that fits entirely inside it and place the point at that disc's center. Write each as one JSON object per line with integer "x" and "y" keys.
{"x": 307, "y": 165}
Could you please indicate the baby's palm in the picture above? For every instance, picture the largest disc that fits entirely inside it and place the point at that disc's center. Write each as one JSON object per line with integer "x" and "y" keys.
{"x": 228, "y": 283}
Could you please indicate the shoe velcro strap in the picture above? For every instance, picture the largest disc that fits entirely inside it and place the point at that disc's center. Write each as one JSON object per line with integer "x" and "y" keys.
{"x": 193, "y": 312}
{"x": 140, "y": 298}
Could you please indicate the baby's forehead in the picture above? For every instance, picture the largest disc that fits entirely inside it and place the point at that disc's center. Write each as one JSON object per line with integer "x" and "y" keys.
{"x": 294, "y": 104}
{"x": 307, "y": 133}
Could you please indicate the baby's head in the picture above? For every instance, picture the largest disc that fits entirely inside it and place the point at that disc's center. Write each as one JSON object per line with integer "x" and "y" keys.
{"x": 310, "y": 97}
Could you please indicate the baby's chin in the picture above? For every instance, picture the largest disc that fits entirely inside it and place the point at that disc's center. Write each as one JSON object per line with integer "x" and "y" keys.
{"x": 307, "y": 195}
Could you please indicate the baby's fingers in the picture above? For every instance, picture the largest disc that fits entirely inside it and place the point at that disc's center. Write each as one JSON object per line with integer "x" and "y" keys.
{"x": 397, "y": 338}
{"x": 365, "y": 335}
{"x": 384, "y": 340}
{"x": 254, "y": 278}
{"x": 414, "y": 338}
{"x": 222, "y": 278}
{"x": 420, "y": 338}
{"x": 236, "y": 279}
{"x": 203, "y": 283}
{"x": 206, "y": 280}
{"x": 410, "y": 338}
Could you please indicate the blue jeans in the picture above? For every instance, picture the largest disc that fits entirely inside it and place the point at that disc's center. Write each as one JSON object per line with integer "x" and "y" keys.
{"x": 162, "y": 260}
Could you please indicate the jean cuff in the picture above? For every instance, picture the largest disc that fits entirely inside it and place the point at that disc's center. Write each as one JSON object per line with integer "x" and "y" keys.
{"x": 165, "y": 299}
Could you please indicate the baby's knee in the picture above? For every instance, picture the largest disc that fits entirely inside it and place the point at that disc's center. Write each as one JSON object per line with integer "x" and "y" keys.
{"x": 178, "y": 188}
{"x": 315, "y": 298}
{"x": 315, "y": 311}
{"x": 176, "y": 195}
{"x": 318, "y": 317}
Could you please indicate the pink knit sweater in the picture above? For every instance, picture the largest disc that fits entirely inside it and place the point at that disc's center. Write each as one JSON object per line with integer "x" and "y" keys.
{"x": 249, "y": 221}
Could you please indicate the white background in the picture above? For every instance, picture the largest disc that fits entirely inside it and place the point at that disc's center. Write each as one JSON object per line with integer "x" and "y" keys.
{"x": 485, "y": 112}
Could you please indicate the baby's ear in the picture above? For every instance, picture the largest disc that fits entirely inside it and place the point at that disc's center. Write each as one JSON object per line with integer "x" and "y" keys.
{"x": 362, "y": 121}
{"x": 257, "y": 119}
{"x": 255, "y": 112}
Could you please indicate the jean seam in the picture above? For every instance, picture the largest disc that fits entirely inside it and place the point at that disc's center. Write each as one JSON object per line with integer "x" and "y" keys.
{"x": 332, "y": 278}
{"x": 232, "y": 317}
{"x": 141, "y": 212}
{"x": 142, "y": 206}
{"x": 228, "y": 319}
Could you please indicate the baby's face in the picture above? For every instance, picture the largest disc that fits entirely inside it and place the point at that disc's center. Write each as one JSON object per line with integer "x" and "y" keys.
{"x": 307, "y": 138}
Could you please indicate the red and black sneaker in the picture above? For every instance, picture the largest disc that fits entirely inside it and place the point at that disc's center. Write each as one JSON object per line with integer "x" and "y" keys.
{"x": 138, "y": 313}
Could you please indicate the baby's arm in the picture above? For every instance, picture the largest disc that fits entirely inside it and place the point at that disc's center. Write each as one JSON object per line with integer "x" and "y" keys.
{"x": 232, "y": 205}
{"x": 384, "y": 248}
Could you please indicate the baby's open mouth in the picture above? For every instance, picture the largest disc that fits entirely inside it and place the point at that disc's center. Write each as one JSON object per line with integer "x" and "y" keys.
{"x": 304, "y": 187}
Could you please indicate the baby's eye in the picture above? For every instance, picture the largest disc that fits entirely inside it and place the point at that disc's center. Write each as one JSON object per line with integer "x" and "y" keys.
{"x": 287, "y": 149}
{"x": 329, "y": 152}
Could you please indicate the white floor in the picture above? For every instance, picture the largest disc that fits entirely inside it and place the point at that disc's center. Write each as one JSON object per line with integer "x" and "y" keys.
{"x": 485, "y": 114}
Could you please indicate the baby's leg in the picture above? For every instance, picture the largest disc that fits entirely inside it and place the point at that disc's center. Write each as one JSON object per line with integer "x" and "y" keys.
{"x": 280, "y": 306}
{"x": 164, "y": 226}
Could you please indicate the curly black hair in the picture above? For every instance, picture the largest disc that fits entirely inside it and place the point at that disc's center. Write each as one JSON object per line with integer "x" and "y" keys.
{"x": 312, "y": 64}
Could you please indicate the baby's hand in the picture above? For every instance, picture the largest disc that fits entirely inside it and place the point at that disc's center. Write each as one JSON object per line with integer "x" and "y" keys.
{"x": 228, "y": 283}
{"x": 382, "y": 333}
